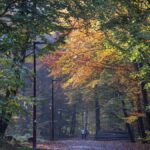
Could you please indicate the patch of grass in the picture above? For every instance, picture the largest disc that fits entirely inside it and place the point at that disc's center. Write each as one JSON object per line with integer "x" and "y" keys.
{"x": 9, "y": 146}
{"x": 5, "y": 145}
{"x": 13, "y": 147}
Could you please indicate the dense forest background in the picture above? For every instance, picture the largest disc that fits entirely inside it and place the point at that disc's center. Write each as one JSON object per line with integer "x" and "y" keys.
{"x": 72, "y": 112}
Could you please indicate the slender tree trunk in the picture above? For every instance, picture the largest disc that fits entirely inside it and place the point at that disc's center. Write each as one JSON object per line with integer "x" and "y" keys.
{"x": 5, "y": 117}
{"x": 141, "y": 128}
{"x": 128, "y": 126}
{"x": 73, "y": 121}
{"x": 4, "y": 122}
{"x": 144, "y": 93}
{"x": 3, "y": 126}
{"x": 82, "y": 114}
{"x": 145, "y": 101}
{"x": 97, "y": 112}
{"x": 86, "y": 119}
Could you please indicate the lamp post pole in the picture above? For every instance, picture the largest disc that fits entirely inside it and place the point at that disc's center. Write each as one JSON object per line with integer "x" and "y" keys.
{"x": 52, "y": 113}
{"x": 34, "y": 96}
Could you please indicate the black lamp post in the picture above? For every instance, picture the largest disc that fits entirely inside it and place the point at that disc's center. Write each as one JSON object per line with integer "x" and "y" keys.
{"x": 50, "y": 40}
{"x": 34, "y": 94}
{"x": 52, "y": 113}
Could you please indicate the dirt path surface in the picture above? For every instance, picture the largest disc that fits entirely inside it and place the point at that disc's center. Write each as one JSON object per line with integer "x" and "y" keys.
{"x": 92, "y": 145}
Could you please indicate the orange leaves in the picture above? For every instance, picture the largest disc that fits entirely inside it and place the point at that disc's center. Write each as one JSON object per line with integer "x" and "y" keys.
{"x": 81, "y": 50}
{"x": 84, "y": 38}
{"x": 133, "y": 117}
{"x": 84, "y": 57}
{"x": 50, "y": 59}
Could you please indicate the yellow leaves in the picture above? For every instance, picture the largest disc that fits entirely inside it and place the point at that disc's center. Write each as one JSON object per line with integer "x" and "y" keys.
{"x": 69, "y": 82}
{"x": 147, "y": 139}
{"x": 95, "y": 24}
{"x": 133, "y": 117}
{"x": 108, "y": 56}
{"x": 85, "y": 58}
{"x": 93, "y": 83}
{"x": 77, "y": 62}
{"x": 82, "y": 67}
{"x": 83, "y": 40}
{"x": 79, "y": 76}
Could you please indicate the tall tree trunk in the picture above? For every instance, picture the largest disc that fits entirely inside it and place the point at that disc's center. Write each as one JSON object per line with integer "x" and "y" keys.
{"x": 86, "y": 119}
{"x": 97, "y": 112}
{"x": 3, "y": 126}
{"x": 4, "y": 117}
{"x": 128, "y": 126}
{"x": 73, "y": 121}
{"x": 4, "y": 122}
{"x": 144, "y": 93}
{"x": 141, "y": 127}
{"x": 82, "y": 115}
{"x": 97, "y": 117}
{"x": 145, "y": 101}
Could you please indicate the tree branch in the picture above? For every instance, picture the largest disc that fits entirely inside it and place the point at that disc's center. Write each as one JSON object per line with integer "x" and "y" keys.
{"x": 8, "y": 7}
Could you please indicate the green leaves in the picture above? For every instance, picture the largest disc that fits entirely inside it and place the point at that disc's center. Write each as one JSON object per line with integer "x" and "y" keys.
{"x": 147, "y": 86}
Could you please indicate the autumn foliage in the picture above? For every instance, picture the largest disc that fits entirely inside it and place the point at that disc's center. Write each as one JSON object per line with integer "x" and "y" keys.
{"x": 86, "y": 60}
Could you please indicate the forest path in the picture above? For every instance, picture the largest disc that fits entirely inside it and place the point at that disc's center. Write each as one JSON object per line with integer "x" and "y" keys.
{"x": 92, "y": 145}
